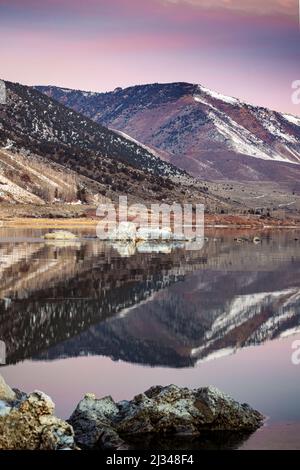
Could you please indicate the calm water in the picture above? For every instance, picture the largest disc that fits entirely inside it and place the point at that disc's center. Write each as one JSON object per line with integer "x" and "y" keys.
{"x": 84, "y": 316}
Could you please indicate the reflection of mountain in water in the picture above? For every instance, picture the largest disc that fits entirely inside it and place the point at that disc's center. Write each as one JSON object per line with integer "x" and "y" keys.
{"x": 79, "y": 299}
{"x": 202, "y": 318}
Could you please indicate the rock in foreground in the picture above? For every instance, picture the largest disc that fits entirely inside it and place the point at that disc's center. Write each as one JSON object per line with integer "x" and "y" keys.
{"x": 27, "y": 423}
{"x": 102, "y": 423}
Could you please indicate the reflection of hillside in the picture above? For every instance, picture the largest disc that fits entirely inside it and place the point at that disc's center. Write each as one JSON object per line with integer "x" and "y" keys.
{"x": 72, "y": 299}
{"x": 52, "y": 292}
{"x": 198, "y": 319}
{"x": 26, "y": 268}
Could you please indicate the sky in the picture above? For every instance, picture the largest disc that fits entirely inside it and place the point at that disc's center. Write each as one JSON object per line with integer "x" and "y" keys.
{"x": 249, "y": 49}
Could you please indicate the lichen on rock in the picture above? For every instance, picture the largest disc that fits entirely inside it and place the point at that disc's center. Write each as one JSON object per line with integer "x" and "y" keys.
{"x": 27, "y": 423}
{"x": 102, "y": 423}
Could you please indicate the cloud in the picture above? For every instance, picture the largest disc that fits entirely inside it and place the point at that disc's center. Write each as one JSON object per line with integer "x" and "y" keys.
{"x": 258, "y": 7}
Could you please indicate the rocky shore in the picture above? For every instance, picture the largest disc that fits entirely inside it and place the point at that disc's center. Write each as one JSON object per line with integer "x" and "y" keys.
{"x": 27, "y": 421}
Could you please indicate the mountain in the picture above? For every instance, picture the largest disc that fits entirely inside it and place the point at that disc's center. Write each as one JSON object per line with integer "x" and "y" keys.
{"x": 34, "y": 129}
{"x": 30, "y": 119}
{"x": 210, "y": 135}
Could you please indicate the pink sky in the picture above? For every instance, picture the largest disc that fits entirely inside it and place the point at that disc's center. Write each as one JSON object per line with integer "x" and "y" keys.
{"x": 245, "y": 48}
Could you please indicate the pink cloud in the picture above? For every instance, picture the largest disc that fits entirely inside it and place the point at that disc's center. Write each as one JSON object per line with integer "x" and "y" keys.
{"x": 101, "y": 44}
{"x": 258, "y": 7}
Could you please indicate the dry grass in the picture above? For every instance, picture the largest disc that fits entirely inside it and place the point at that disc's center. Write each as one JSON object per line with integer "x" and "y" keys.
{"x": 49, "y": 223}
{"x": 210, "y": 221}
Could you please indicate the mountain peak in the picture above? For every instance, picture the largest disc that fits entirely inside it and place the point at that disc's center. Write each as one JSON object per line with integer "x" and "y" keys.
{"x": 208, "y": 134}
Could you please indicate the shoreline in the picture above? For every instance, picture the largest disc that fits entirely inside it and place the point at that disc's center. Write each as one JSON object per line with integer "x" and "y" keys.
{"x": 210, "y": 223}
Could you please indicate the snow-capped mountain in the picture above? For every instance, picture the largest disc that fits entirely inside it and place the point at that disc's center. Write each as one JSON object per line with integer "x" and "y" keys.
{"x": 36, "y": 127}
{"x": 204, "y": 132}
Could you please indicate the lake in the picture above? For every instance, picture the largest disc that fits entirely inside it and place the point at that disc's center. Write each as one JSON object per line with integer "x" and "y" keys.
{"x": 86, "y": 316}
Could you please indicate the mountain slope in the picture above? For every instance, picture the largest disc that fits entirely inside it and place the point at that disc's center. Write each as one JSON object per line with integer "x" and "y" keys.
{"x": 35, "y": 180}
{"x": 32, "y": 119}
{"x": 209, "y": 135}
{"x": 32, "y": 124}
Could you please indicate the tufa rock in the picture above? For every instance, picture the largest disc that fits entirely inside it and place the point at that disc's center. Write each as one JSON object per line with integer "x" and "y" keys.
{"x": 28, "y": 424}
{"x": 93, "y": 420}
{"x": 102, "y": 423}
{"x": 60, "y": 235}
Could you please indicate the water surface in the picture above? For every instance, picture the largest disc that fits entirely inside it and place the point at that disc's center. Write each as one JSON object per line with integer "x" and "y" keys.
{"x": 84, "y": 316}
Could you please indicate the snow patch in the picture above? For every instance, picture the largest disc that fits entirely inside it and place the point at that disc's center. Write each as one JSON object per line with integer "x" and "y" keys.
{"x": 292, "y": 119}
{"x": 219, "y": 96}
{"x": 131, "y": 139}
{"x": 215, "y": 355}
{"x": 271, "y": 124}
{"x": 243, "y": 141}
{"x": 290, "y": 332}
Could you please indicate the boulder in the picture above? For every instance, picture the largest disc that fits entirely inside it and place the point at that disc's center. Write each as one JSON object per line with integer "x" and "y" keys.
{"x": 102, "y": 423}
{"x": 60, "y": 235}
{"x": 28, "y": 424}
{"x": 93, "y": 420}
{"x": 27, "y": 421}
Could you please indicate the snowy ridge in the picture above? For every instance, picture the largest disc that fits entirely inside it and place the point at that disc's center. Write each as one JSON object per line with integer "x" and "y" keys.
{"x": 293, "y": 119}
{"x": 241, "y": 140}
{"x": 204, "y": 132}
{"x": 153, "y": 158}
{"x": 219, "y": 96}
{"x": 271, "y": 124}
{"x": 131, "y": 139}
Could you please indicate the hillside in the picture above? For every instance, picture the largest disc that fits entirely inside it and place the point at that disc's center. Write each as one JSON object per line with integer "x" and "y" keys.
{"x": 29, "y": 179}
{"x": 210, "y": 135}
{"x": 101, "y": 161}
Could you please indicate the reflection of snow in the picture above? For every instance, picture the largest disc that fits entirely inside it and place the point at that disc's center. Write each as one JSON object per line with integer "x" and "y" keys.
{"x": 239, "y": 311}
{"x": 290, "y": 332}
{"x": 244, "y": 305}
{"x": 2, "y": 353}
{"x": 215, "y": 355}
{"x": 7, "y": 302}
